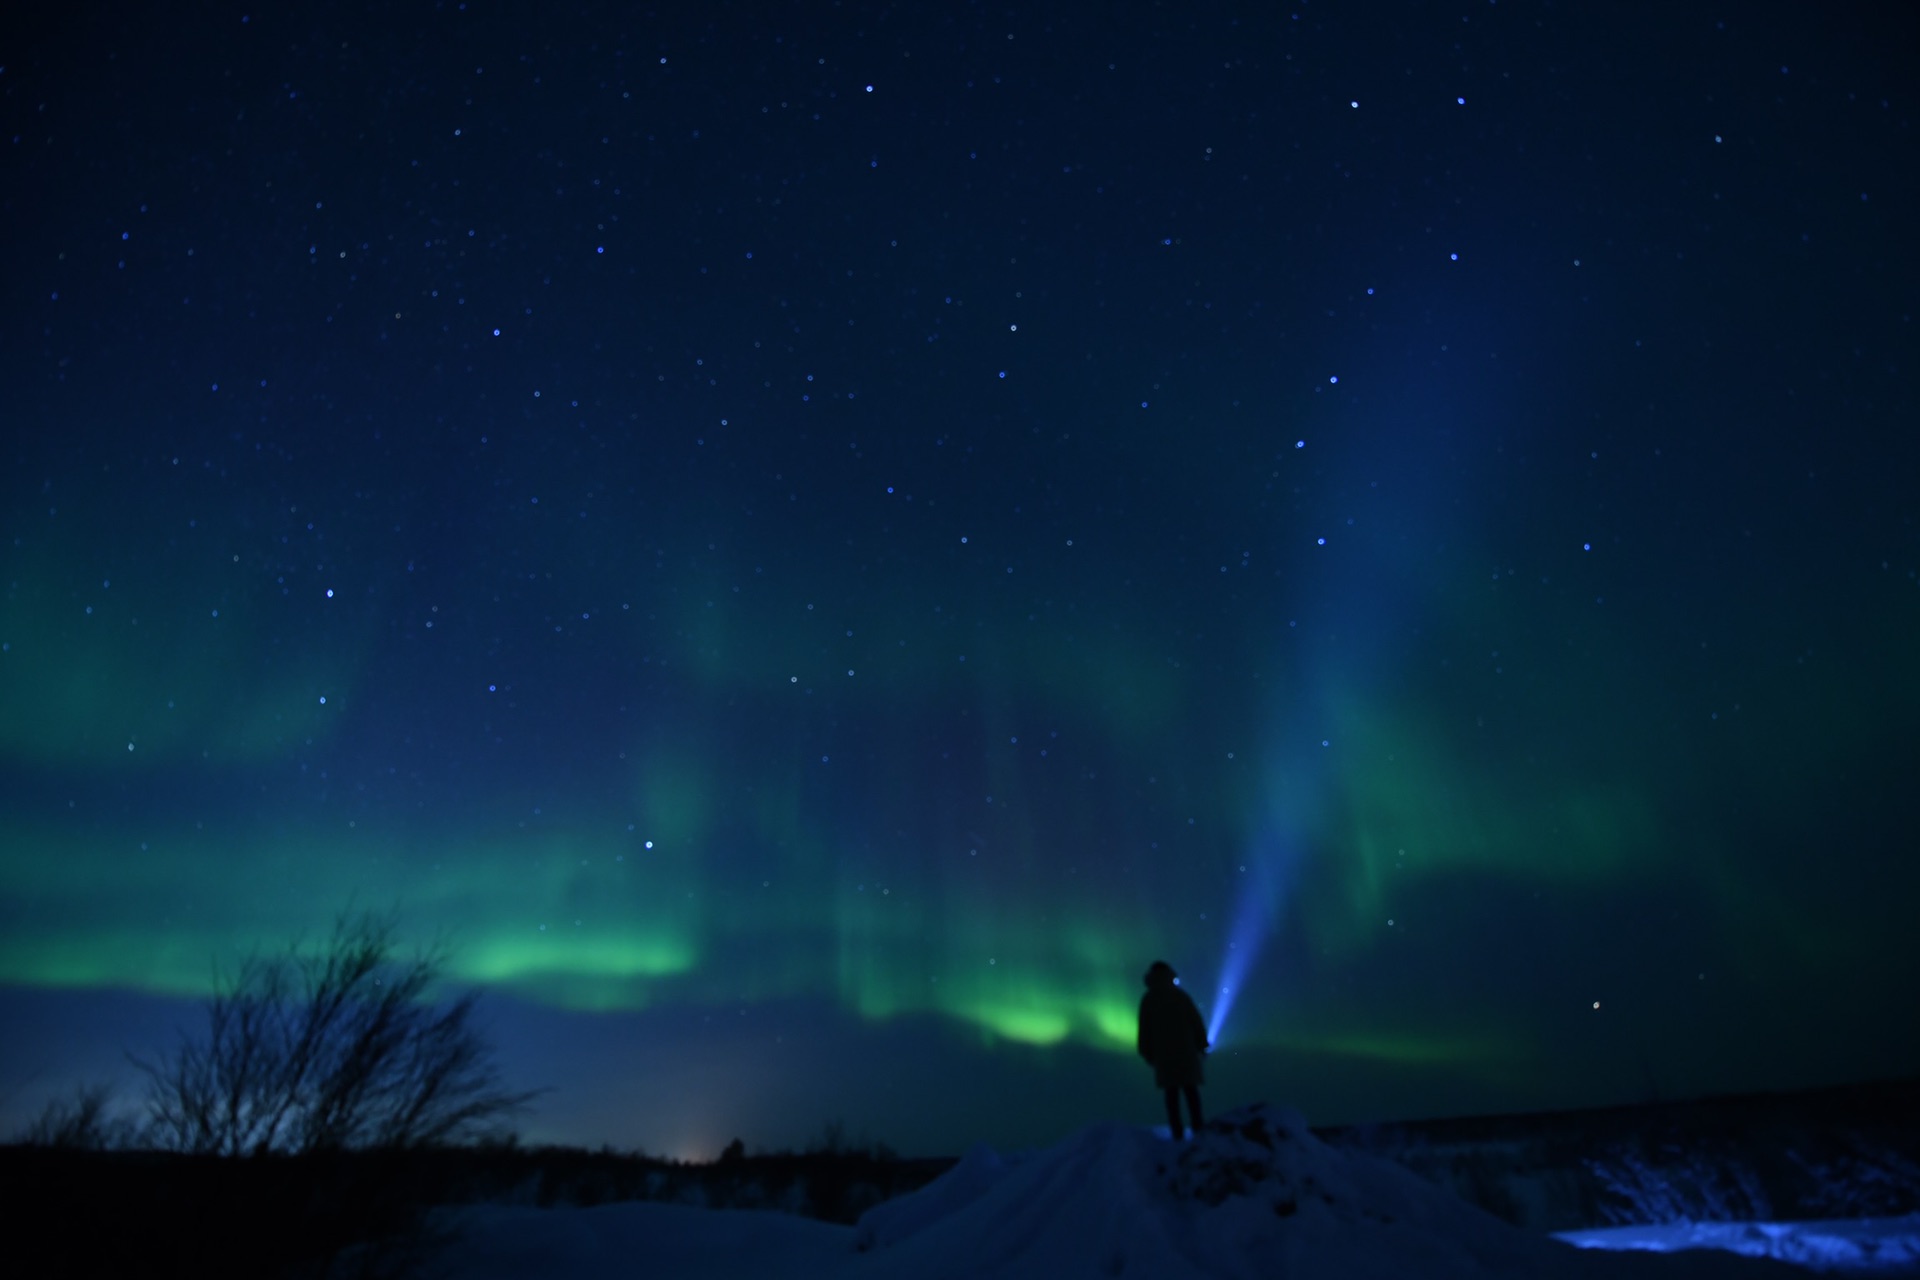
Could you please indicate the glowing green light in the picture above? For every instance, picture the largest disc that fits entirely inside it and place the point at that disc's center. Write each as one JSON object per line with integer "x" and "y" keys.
{"x": 1026, "y": 1024}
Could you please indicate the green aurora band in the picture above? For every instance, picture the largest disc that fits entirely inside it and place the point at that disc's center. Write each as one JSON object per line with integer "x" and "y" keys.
{"x": 712, "y": 863}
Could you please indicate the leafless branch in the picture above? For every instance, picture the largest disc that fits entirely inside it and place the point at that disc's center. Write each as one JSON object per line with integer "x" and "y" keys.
{"x": 339, "y": 1048}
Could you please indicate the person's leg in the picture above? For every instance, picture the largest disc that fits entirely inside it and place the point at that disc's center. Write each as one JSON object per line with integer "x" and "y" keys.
{"x": 1173, "y": 1113}
{"x": 1193, "y": 1105}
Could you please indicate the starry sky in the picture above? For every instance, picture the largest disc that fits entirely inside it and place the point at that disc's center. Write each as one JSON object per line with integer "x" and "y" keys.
{"x": 808, "y": 543}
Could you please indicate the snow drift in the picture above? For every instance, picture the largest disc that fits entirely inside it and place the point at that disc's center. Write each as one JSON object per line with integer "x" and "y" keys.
{"x": 1256, "y": 1194}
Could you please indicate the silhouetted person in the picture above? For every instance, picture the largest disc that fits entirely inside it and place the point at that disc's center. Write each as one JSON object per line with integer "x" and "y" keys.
{"x": 1173, "y": 1037}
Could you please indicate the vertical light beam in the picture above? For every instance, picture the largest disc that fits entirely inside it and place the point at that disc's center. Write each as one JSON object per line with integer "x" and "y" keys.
{"x": 1270, "y": 871}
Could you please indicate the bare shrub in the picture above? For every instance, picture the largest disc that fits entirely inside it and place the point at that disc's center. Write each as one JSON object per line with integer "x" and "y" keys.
{"x": 80, "y": 1121}
{"x": 331, "y": 1049}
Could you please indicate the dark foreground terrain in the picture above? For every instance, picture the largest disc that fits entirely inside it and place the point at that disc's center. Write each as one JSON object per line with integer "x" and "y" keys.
{"x": 1831, "y": 1153}
{"x": 131, "y": 1213}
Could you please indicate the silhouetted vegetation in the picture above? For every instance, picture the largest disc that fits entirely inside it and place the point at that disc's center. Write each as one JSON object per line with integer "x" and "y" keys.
{"x": 329, "y": 1050}
{"x": 81, "y": 1121}
{"x": 310, "y": 1122}
{"x": 323, "y": 1114}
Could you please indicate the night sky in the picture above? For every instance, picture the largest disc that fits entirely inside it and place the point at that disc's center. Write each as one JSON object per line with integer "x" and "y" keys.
{"x": 810, "y": 542}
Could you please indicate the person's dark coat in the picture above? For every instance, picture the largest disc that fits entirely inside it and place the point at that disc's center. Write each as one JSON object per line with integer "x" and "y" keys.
{"x": 1173, "y": 1035}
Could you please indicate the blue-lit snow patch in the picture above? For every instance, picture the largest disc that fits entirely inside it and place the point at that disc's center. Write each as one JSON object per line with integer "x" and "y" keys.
{"x": 1852, "y": 1245}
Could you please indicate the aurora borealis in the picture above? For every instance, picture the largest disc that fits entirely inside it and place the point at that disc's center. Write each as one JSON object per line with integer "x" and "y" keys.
{"x": 810, "y": 543}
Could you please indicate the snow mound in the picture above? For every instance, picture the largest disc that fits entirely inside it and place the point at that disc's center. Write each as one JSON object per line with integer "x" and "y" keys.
{"x": 1255, "y": 1194}
{"x": 895, "y": 1220}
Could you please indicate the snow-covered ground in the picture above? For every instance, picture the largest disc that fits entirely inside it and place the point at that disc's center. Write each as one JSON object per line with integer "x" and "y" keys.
{"x": 1256, "y": 1195}
{"x": 1850, "y": 1246}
